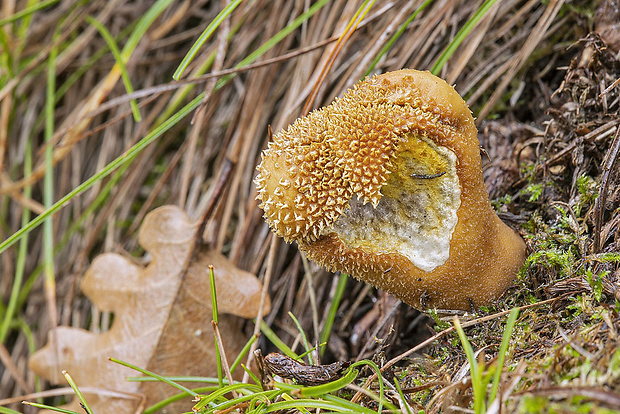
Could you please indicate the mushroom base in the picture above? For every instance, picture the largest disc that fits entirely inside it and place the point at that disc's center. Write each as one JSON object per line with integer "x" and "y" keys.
{"x": 476, "y": 281}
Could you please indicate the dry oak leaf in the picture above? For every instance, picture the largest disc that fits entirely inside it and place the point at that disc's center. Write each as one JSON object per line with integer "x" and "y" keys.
{"x": 162, "y": 318}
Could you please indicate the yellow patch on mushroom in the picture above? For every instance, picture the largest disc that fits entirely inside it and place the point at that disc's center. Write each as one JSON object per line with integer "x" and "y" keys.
{"x": 416, "y": 214}
{"x": 385, "y": 184}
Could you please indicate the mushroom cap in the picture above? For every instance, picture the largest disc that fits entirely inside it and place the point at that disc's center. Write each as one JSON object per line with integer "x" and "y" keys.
{"x": 385, "y": 184}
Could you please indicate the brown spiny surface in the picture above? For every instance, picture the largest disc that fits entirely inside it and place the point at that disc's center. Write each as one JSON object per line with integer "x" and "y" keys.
{"x": 312, "y": 169}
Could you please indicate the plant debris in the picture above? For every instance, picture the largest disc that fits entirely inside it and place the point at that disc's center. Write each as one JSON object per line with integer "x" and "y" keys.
{"x": 274, "y": 364}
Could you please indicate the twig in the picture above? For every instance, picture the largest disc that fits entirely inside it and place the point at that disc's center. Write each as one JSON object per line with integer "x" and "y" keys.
{"x": 198, "y": 120}
{"x": 609, "y": 88}
{"x": 532, "y": 41}
{"x": 154, "y": 193}
{"x": 312, "y": 295}
{"x": 578, "y": 348}
{"x": 215, "y": 197}
{"x": 597, "y": 134}
{"x": 171, "y": 86}
{"x": 389, "y": 314}
{"x": 342, "y": 40}
{"x": 224, "y": 361}
{"x": 273, "y": 247}
{"x": 10, "y": 366}
{"x": 495, "y": 407}
{"x": 608, "y": 167}
{"x": 609, "y": 398}
{"x": 69, "y": 391}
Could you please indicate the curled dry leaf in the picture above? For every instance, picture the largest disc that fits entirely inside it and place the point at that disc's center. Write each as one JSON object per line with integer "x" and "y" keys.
{"x": 162, "y": 317}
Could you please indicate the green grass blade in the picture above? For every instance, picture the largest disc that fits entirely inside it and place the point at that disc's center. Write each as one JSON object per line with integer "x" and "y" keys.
{"x": 142, "y": 26}
{"x": 262, "y": 395}
{"x": 182, "y": 93}
{"x": 469, "y": 352}
{"x": 152, "y": 374}
{"x": 476, "y": 380}
{"x": 208, "y": 399}
{"x": 243, "y": 353}
{"x": 5, "y": 410}
{"x": 375, "y": 367}
{"x": 503, "y": 349}
{"x": 204, "y": 37}
{"x": 48, "y": 186}
{"x": 271, "y": 335}
{"x": 27, "y": 11}
{"x": 355, "y": 408}
{"x": 253, "y": 376}
{"x": 303, "y": 355}
{"x": 107, "y": 36}
{"x": 302, "y": 410}
{"x": 24, "y": 26}
{"x": 218, "y": 356}
{"x": 333, "y": 310}
{"x": 49, "y": 407}
{"x": 336, "y": 406}
{"x": 319, "y": 390}
{"x": 32, "y": 346}
{"x": 213, "y": 294}
{"x": 77, "y": 391}
{"x": 461, "y": 35}
{"x": 22, "y": 253}
{"x": 249, "y": 389}
{"x": 304, "y": 338}
{"x": 177, "y": 378}
{"x": 174, "y": 398}
{"x": 402, "y": 396}
{"x": 6, "y": 59}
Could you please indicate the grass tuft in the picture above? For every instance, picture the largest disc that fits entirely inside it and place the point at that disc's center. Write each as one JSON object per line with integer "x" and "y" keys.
{"x": 480, "y": 377}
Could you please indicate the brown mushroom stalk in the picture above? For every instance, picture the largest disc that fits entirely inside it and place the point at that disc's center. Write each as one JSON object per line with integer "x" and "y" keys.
{"x": 385, "y": 184}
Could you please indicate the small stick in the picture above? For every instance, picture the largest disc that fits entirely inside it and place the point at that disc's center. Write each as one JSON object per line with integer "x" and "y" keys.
{"x": 608, "y": 167}
{"x": 220, "y": 347}
{"x": 273, "y": 247}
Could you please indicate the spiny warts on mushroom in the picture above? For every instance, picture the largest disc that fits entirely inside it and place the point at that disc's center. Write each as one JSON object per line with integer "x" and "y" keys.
{"x": 385, "y": 184}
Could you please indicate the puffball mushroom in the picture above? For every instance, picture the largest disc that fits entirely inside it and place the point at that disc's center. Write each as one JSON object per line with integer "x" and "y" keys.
{"x": 385, "y": 184}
